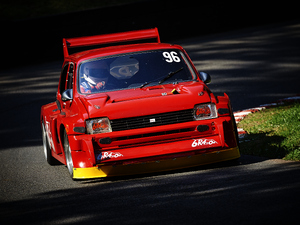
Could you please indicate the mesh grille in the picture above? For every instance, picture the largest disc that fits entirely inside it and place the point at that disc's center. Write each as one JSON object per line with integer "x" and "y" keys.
{"x": 152, "y": 120}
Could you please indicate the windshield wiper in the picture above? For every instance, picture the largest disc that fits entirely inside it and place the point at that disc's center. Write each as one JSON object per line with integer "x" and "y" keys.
{"x": 171, "y": 74}
{"x": 163, "y": 80}
{"x": 144, "y": 84}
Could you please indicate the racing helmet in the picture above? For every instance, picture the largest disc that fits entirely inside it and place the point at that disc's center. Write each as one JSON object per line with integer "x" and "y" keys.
{"x": 95, "y": 72}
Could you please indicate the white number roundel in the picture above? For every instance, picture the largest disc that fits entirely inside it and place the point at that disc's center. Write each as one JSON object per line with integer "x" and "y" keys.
{"x": 171, "y": 57}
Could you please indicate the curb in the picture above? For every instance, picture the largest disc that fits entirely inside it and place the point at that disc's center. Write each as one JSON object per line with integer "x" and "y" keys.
{"x": 240, "y": 115}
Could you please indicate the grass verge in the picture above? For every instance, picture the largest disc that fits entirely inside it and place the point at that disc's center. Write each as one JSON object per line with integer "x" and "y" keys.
{"x": 273, "y": 132}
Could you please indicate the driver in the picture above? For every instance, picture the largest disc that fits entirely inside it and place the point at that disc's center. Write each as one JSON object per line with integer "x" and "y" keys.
{"x": 93, "y": 77}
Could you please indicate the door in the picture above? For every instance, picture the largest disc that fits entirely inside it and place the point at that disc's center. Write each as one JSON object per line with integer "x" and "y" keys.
{"x": 63, "y": 107}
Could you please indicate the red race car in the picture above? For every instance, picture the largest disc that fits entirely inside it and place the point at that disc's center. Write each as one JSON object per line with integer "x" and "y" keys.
{"x": 131, "y": 108}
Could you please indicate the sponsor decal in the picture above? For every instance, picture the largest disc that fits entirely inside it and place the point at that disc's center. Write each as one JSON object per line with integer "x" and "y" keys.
{"x": 49, "y": 136}
{"x": 109, "y": 155}
{"x": 203, "y": 142}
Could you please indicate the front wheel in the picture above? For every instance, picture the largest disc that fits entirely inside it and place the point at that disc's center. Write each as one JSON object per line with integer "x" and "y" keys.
{"x": 47, "y": 150}
{"x": 68, "y": 156}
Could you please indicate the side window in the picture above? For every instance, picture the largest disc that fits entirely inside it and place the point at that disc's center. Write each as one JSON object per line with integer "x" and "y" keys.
{"x": 70, "y": 76}
{"x": 63, "y": 78}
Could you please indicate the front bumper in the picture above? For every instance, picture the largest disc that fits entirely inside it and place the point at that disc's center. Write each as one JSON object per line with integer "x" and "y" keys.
{"x": 157, "y": 165}
{"x": 147, "y": 150}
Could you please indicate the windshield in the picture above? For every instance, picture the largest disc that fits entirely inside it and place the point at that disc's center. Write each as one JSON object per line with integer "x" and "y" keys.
{"x": 135, "y": 70}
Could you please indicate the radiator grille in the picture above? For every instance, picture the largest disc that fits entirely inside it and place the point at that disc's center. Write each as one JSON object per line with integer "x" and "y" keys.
{"x": 152, "y": 120}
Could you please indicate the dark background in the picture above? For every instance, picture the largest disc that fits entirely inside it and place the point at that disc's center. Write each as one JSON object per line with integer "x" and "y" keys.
{"x": 254, "y": 59}
{"x": 31, "y": 41}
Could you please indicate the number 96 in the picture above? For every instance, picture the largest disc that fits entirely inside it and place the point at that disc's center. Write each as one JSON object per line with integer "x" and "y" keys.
{"x": 171, "y": 57}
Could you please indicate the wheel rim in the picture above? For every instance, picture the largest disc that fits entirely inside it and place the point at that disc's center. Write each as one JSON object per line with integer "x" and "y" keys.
{"x": 69, "y": 161}
{"x": 68, "y": 155}
{"x": 45, "y": 144}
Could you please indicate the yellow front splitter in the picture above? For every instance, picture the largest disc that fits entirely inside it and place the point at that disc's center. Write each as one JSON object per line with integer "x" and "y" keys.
{"x": 156, "y": 166}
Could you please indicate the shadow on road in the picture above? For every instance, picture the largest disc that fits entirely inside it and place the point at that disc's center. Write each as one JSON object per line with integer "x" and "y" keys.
{"x": 22, "y": 93}
{"x": 263, "y": 144}
{"x": 253, "y": 66}
{"x": 226, "y": 195}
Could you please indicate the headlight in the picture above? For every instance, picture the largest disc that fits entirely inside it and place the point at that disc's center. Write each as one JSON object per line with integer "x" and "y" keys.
{"x": 99, "y": 125}
{"x": 205, "y": 111}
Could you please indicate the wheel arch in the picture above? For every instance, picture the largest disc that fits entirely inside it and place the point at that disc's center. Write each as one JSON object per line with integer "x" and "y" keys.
{"x": 61, "y": 133}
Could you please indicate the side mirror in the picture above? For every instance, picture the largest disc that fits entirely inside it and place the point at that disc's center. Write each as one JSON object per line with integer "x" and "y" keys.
{"x": 67, "y": 95}
{"x": 205, "y": 77}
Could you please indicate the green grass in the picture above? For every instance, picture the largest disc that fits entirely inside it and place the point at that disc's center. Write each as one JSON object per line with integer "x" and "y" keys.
{"x": 273, "y": 132}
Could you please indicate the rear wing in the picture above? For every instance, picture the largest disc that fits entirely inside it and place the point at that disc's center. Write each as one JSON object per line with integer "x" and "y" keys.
{"x": 109, "y": 38}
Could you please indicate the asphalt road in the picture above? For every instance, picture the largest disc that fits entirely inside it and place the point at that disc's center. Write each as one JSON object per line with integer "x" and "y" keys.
{"x": 253, "y": 66}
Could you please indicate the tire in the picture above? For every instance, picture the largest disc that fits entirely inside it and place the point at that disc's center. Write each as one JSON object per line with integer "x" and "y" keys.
{"x": 47, "y": 150}
{"x": 68, "y": 156}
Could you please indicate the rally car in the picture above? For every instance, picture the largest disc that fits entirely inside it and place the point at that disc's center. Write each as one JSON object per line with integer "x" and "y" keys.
{"x": 130, "y": 108}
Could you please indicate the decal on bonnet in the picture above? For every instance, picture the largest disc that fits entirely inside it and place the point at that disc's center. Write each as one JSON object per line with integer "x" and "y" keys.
{"x": 203, "y": 142}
